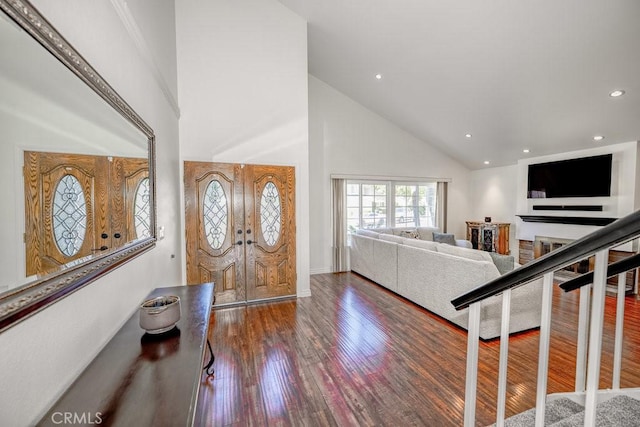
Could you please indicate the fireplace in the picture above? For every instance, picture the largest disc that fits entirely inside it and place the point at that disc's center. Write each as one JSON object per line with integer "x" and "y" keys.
{"x": 528, "y": 250}
{"x": 543, "y": 245}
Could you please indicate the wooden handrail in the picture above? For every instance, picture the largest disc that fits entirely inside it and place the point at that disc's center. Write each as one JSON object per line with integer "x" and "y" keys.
{"x": 614, "y": 268}
{"x": 620, "y": 231}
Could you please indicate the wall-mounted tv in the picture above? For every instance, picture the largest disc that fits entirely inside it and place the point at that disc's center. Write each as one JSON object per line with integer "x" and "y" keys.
{"x": 583, "y": 177}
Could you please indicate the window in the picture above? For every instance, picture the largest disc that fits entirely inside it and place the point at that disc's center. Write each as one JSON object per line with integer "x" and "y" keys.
{"x": 415, "y": 205}
{"x": 366, "y": 205}
{"x": 378, "y": 204}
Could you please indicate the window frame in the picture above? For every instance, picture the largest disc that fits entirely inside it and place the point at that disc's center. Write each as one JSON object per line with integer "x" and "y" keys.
{"x": 390, "y": 200}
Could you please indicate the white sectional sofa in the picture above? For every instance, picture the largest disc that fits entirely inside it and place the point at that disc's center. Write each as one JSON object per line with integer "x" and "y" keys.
{"x": 432, "y": 274}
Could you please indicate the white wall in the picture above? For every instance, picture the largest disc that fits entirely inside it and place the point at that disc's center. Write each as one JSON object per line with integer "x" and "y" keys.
{"x": 493, "y": 193}
{"x": 42, "y": 355}
{"x": 346, "y": 138}
{"x": 242, "y": 80}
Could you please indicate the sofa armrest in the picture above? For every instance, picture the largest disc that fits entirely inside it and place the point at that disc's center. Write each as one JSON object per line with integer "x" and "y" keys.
{"x": 504, "y": 263}
{"x": 464, "y": 243}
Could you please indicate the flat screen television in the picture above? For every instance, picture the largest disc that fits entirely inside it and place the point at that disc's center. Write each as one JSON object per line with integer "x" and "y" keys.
{"x": 582, "y": 177}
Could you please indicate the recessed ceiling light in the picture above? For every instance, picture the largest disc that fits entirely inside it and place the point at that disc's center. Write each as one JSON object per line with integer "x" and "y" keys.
{"x": 598, "y": 138}
{"x": 526, "y": 150}
{"x": 378, "y": 76}
{"x": 468, "y": 135}
{"x": 486, "y": 162}
{"x": 616, "y": 93}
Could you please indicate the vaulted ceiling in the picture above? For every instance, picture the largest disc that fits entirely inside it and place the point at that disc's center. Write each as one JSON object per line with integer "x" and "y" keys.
{"x": 514, "y": 75}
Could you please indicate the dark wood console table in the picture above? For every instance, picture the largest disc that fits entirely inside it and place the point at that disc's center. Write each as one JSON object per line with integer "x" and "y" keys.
{"x": 145, "y": 380}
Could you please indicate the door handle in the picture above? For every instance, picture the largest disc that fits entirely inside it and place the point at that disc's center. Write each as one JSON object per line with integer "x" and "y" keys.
{"x": 117, "y": 235}
{"x": 239, "y": 242}
{"x": 249, "y": 242}
{"x": 102, "y": 248}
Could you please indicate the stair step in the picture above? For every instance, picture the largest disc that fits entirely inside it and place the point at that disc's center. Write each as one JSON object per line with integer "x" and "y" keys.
{"x": 555, "y": 411}
{"x": 619, "y": 411}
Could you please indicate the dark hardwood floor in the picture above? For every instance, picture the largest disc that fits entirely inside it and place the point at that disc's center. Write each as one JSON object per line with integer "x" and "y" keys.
{"x": 355, "y": 354}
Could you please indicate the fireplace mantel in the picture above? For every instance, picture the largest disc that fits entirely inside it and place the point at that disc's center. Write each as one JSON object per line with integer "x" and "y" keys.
{"x": 578, "y": 220}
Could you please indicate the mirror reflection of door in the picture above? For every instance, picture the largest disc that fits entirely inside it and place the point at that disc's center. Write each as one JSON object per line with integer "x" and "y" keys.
{"x": 78, "y": 205}
{"x": 130, "y": 201}
{"x": 240, "y": 229}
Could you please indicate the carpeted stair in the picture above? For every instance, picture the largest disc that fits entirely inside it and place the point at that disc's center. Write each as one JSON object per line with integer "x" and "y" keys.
{"x": 619, "y": 411}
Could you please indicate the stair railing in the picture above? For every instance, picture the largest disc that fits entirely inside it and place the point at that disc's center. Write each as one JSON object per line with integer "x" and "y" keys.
{"x": 590, "y": 318}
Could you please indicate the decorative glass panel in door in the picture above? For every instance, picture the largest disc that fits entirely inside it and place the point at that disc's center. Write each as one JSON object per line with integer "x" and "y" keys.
{"x": 215, "y": 214}
{"x": 270, "y": 213}
{"x": 69, "y": 215}
{"x": 142, "y": 210}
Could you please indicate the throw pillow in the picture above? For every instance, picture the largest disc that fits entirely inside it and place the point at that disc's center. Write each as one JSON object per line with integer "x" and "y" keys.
{"x": 504, "y": 263}
{"x": 409, "y": 234}
{"x": 447, "y": 238}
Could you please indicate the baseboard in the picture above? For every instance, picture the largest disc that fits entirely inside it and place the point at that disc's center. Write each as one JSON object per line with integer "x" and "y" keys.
{"x": 320, "y": 271}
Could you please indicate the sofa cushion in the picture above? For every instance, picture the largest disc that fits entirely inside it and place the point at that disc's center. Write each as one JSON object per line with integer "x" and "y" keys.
{"x": 426, "y": 233}
{"x": 464, "y": 243}
{"x": 391, "y": 238}
{"x": 368, "y": 233}
{"x": 409, "y": 233}
{"x": 447, "y": 238}
{"x": 384, "y": 230}
{"x": 422, "y": 244}
{"x": 504, "y": 263}
{"x": 473, "y": 254}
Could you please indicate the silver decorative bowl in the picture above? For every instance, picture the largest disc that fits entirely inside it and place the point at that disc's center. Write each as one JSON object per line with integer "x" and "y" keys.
{"x": 158, "y": 315}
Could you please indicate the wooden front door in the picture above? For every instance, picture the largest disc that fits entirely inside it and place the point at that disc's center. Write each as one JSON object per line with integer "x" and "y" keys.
{"x": 130, "y": 200}
{"x": 79, "y": 205}
{"x": 270, "y": 217}
{"x": 65, "y": 209}
{"x": 240, "y": 229}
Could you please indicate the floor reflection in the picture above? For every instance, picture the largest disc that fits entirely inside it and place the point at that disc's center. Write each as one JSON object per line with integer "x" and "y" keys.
{"x": 275, "y": 383}
{"x": 361, "y": 342}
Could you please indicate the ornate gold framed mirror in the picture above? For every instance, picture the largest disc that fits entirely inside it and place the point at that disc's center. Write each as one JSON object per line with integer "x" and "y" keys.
{"x": 77, "y": 166}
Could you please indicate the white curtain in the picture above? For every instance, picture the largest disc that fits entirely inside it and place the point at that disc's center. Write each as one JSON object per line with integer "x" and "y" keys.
{"x": 339, "y": 220}
{"x": 441, "y": 215}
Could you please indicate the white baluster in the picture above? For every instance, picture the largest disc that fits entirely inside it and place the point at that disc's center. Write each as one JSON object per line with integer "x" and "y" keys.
{"x": 617, "y": 353}
{"x": 595, "y": 336}
{"x": 504, "y": 357}
{"x": 543, "y": 353}
{"x": 473, "y": 338}
{"x": 583, "y": 338}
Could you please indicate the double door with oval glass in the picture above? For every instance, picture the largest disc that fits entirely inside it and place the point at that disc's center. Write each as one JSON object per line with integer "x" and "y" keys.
{"x": 240, "y": 229}
{"x": 78, "y": 205}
